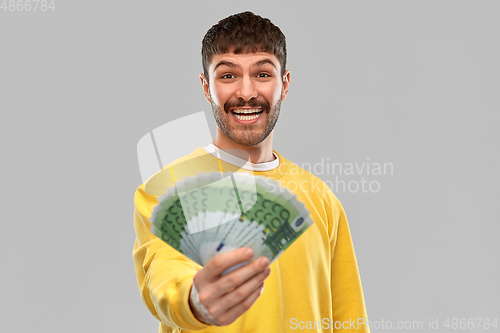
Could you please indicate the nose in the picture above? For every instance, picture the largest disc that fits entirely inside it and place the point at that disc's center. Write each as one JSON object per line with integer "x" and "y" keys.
{"x": 246, "y": 89}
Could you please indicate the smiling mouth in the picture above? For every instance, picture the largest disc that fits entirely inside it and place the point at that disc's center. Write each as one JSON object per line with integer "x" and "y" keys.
{"x": 246, "y": 114}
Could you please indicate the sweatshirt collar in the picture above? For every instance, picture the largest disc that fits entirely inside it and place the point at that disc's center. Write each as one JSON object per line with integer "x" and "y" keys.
{"x": 241, "y": 163}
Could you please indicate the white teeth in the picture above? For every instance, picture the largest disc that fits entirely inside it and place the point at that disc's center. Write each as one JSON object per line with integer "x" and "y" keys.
{"x": 246, "y": 117}
{"x": 241, "y": 114}
{"x": 246, "y": 110}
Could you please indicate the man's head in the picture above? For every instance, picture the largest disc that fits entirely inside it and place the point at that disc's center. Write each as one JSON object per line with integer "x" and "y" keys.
{"x": 244, "y": 59}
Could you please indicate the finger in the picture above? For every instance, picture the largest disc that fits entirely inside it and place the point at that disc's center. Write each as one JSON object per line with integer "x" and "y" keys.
{"x": 236, "y": 278}
{"x": 233, "y": 313}
{"x": 218, "y": 264}
{"x": 239, "y": 294}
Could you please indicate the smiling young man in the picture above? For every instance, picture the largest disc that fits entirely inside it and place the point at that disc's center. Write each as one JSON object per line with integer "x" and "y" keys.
{"x": 314, "y": 285}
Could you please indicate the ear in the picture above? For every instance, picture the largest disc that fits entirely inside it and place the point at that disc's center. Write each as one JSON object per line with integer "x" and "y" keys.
{"x": 286, "y": 84}
{"x": 204, "y": 84}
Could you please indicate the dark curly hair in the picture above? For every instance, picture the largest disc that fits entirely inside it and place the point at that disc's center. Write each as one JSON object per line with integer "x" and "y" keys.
{"x": 243, "y": 33}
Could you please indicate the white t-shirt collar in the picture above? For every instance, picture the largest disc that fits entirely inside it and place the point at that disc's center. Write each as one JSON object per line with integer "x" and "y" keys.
{"x": 241, "y": 163}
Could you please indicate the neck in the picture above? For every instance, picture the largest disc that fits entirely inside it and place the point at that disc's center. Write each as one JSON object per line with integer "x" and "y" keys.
{"x": 260, "y": 153}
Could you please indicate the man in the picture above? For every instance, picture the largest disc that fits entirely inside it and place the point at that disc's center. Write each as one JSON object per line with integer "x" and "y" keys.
{"x": 315, "y": 284}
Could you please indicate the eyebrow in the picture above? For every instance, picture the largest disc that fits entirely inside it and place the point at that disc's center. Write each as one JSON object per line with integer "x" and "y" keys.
{"x": 233, "y": 65}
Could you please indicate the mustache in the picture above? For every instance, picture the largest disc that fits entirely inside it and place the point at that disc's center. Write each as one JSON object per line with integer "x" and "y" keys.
{"x": 253, "y": 103}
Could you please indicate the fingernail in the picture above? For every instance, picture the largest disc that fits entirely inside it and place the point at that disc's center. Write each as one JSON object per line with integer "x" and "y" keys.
{"x": 248, "y": 252}
{"x": 264, "y": 261}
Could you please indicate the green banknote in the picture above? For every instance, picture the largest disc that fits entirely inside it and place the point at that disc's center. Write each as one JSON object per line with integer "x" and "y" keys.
{"x": 213, "y": 213}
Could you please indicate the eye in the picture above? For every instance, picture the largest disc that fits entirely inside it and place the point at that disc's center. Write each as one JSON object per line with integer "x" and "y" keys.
{"x": 227, "y": 76}
{"x": 263, "y": 75}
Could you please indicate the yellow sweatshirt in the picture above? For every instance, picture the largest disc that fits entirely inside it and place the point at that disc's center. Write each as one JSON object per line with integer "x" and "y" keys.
{"x": 314, "y": 286}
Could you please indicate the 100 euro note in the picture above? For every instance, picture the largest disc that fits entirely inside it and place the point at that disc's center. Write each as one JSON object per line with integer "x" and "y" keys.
{"x": 213, "y": 213}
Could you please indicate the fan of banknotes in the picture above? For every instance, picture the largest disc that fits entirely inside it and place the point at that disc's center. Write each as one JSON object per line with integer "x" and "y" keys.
{"x": 213, "y": 213}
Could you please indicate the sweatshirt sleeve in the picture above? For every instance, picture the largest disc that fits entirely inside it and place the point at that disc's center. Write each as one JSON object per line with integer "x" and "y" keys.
{"x": 347, "y": 294}
{"x": 164, "y": 275}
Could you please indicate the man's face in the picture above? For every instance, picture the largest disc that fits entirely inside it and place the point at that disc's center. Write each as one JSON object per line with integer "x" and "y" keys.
{"x": 245, "y": 92}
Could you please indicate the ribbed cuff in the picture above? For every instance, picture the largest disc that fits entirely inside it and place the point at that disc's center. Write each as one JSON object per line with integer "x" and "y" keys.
{"x": 202, "y": 310}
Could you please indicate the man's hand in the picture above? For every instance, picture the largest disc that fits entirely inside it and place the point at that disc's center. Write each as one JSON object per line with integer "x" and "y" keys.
{"x": 228, "y": 297}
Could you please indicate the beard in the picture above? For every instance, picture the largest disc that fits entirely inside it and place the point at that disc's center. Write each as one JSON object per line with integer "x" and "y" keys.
{"x": 246, "y": 135}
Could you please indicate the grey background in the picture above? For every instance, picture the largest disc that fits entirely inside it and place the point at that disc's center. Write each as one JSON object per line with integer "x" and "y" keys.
{"x": 414, "y": 84}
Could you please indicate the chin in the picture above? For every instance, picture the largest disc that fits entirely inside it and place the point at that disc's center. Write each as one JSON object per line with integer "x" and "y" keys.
{"x": 246, "y": 141}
